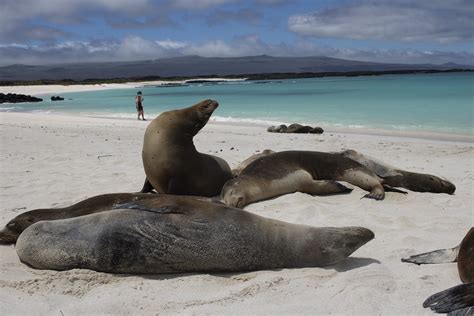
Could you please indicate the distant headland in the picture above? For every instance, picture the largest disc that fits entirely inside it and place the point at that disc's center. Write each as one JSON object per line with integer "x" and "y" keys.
{"x": 187, "y": 67}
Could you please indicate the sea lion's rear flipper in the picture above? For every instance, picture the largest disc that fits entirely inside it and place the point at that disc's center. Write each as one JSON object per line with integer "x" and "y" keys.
{"x": 436, "y": 256}
{"x": 392, "y": 189}
{"x": 458, "y": 300}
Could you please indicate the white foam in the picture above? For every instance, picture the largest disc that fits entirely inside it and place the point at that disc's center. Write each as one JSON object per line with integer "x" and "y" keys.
{"x": 252, "y": 121}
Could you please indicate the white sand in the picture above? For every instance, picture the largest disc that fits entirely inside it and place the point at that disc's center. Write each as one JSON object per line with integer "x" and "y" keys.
{"x": 40, "y": 90}
{"x": 54, "y": 161}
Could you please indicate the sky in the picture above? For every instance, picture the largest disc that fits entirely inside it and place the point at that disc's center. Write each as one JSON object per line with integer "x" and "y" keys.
{"x": 401, "y": 31}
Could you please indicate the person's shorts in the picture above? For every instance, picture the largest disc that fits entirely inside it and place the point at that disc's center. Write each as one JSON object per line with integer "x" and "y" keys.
{"x": 139, "y": 107}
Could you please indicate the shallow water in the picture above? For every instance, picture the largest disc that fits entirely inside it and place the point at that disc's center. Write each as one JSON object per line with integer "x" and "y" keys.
{"x": 427, "y": 102}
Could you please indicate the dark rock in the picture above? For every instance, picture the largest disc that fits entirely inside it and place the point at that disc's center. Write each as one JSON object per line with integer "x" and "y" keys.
{"x": 17, "y": 98}
{"x": 56, "y": 98}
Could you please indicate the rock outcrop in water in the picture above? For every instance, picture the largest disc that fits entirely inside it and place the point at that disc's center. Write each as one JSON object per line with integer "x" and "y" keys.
{"x": 295, "y": 128}
{"x": 17, "y": 98}
{"x": 56, "y": 98}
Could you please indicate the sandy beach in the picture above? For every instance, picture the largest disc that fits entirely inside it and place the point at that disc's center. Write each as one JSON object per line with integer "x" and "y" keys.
{"x": 53, "y": 89}
{"x": 54, "y": 161}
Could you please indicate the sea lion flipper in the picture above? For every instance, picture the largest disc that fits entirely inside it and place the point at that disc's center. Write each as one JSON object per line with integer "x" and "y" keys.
{"x": 325, "y": 187}
{"x": 147, "y": 187}
{"x": 392, "y": 189}
{"x": 460, "y": 297}
{"x": 377, "y": 193}
{"x": 149, "y": 206}
{"x": 436, "y": 256}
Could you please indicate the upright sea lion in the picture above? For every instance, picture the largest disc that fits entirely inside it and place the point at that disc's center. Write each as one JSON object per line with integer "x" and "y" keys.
{"x": 172, "y": 163}
{"x": 172, "y": 234}
{"x": 95, "y": 204}
{"x": 395, "y": 177}
{"x": 458, "y": 300}
{"x": 304, "y": 171}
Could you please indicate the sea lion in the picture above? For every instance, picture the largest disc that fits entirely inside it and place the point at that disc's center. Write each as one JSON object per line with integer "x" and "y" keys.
{"x": 295, "y": 128}
{"x": 95, "y": 204}
{"x": 172, "y": 163}
{"x": 458, "y": 300}
{"x": 237, "y": 170}
{"x": 395, "y": 177}
{"x": 310, "y": 172}
{"x": 174, "y": 234}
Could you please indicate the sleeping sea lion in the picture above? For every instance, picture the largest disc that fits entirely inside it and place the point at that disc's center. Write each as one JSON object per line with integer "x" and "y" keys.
{"x": 95, "y": 204}
{"x": 304, "y": 171}
{"x": 395, "y": 177}
{"x": 241, "y": 166}
{"x": 458, "y": 300}
{"x": 174, "y": 234}
{"x": 172, "y": 163}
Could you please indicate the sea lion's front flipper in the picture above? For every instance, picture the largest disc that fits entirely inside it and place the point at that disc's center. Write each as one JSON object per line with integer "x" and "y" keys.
{"x": 147, "y": 187}
{"x": 436, "y": 256}
{"x": 458, "y": 299}
{"x": 150, "y": 206}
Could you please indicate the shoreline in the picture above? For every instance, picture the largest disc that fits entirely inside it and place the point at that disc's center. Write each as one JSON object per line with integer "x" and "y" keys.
{"x": 369, "y": 132}
{"x": 39, "y": 90}
{"x": 44, "y": 90}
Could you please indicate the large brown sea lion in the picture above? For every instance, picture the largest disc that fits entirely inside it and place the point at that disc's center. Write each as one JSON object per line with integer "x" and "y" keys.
{"x": 458, "y": 300}
{"x": 304, "y": 171}
{"x": 172, "y": 163}
{"x": 394, "y": 177}
{"x": 173, "y": 234}
{"x": 95, "y": 204}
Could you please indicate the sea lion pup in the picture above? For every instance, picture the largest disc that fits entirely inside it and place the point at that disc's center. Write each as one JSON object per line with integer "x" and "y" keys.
{"x": 310, "y": 172}
{"x": 95, "y": 204}
{"x": 395, "y": 177}
{"x": 172, "y": 163}
{"x": 458, "y": 300}
{"x": 174, "y": 234}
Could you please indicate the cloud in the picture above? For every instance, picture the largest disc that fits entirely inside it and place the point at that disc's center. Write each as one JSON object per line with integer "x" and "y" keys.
{"x": 247, "y": 16}
{"x": 399, "y": 20}
{"x": 199, "y": 4}
{"x": 20, "y": 17}
{"x": 136, "y": 48}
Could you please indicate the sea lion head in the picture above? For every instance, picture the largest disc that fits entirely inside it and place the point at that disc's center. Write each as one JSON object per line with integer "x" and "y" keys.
{"x": 200, "y": 113}
{"x": 17, "y": 225}
{"x": 337, "y": 243}
{"x": 14, "y": 228}
{"x": 431, "y": 183}
{"x": 233, "y": 195}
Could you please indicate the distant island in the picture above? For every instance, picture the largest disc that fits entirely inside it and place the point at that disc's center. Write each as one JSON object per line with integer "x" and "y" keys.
{"x": 192, "y": 67}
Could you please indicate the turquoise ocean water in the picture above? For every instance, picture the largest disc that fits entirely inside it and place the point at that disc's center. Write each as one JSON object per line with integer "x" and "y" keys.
{"x": 427, "y": 102}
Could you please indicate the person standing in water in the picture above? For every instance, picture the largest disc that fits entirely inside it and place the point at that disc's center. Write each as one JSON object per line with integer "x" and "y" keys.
{"x": 139, "y": 105}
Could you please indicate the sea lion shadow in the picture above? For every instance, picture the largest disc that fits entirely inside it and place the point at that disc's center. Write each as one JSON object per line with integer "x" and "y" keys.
{"x": 346, "y": 265}
{"x": 352, "y": 263}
